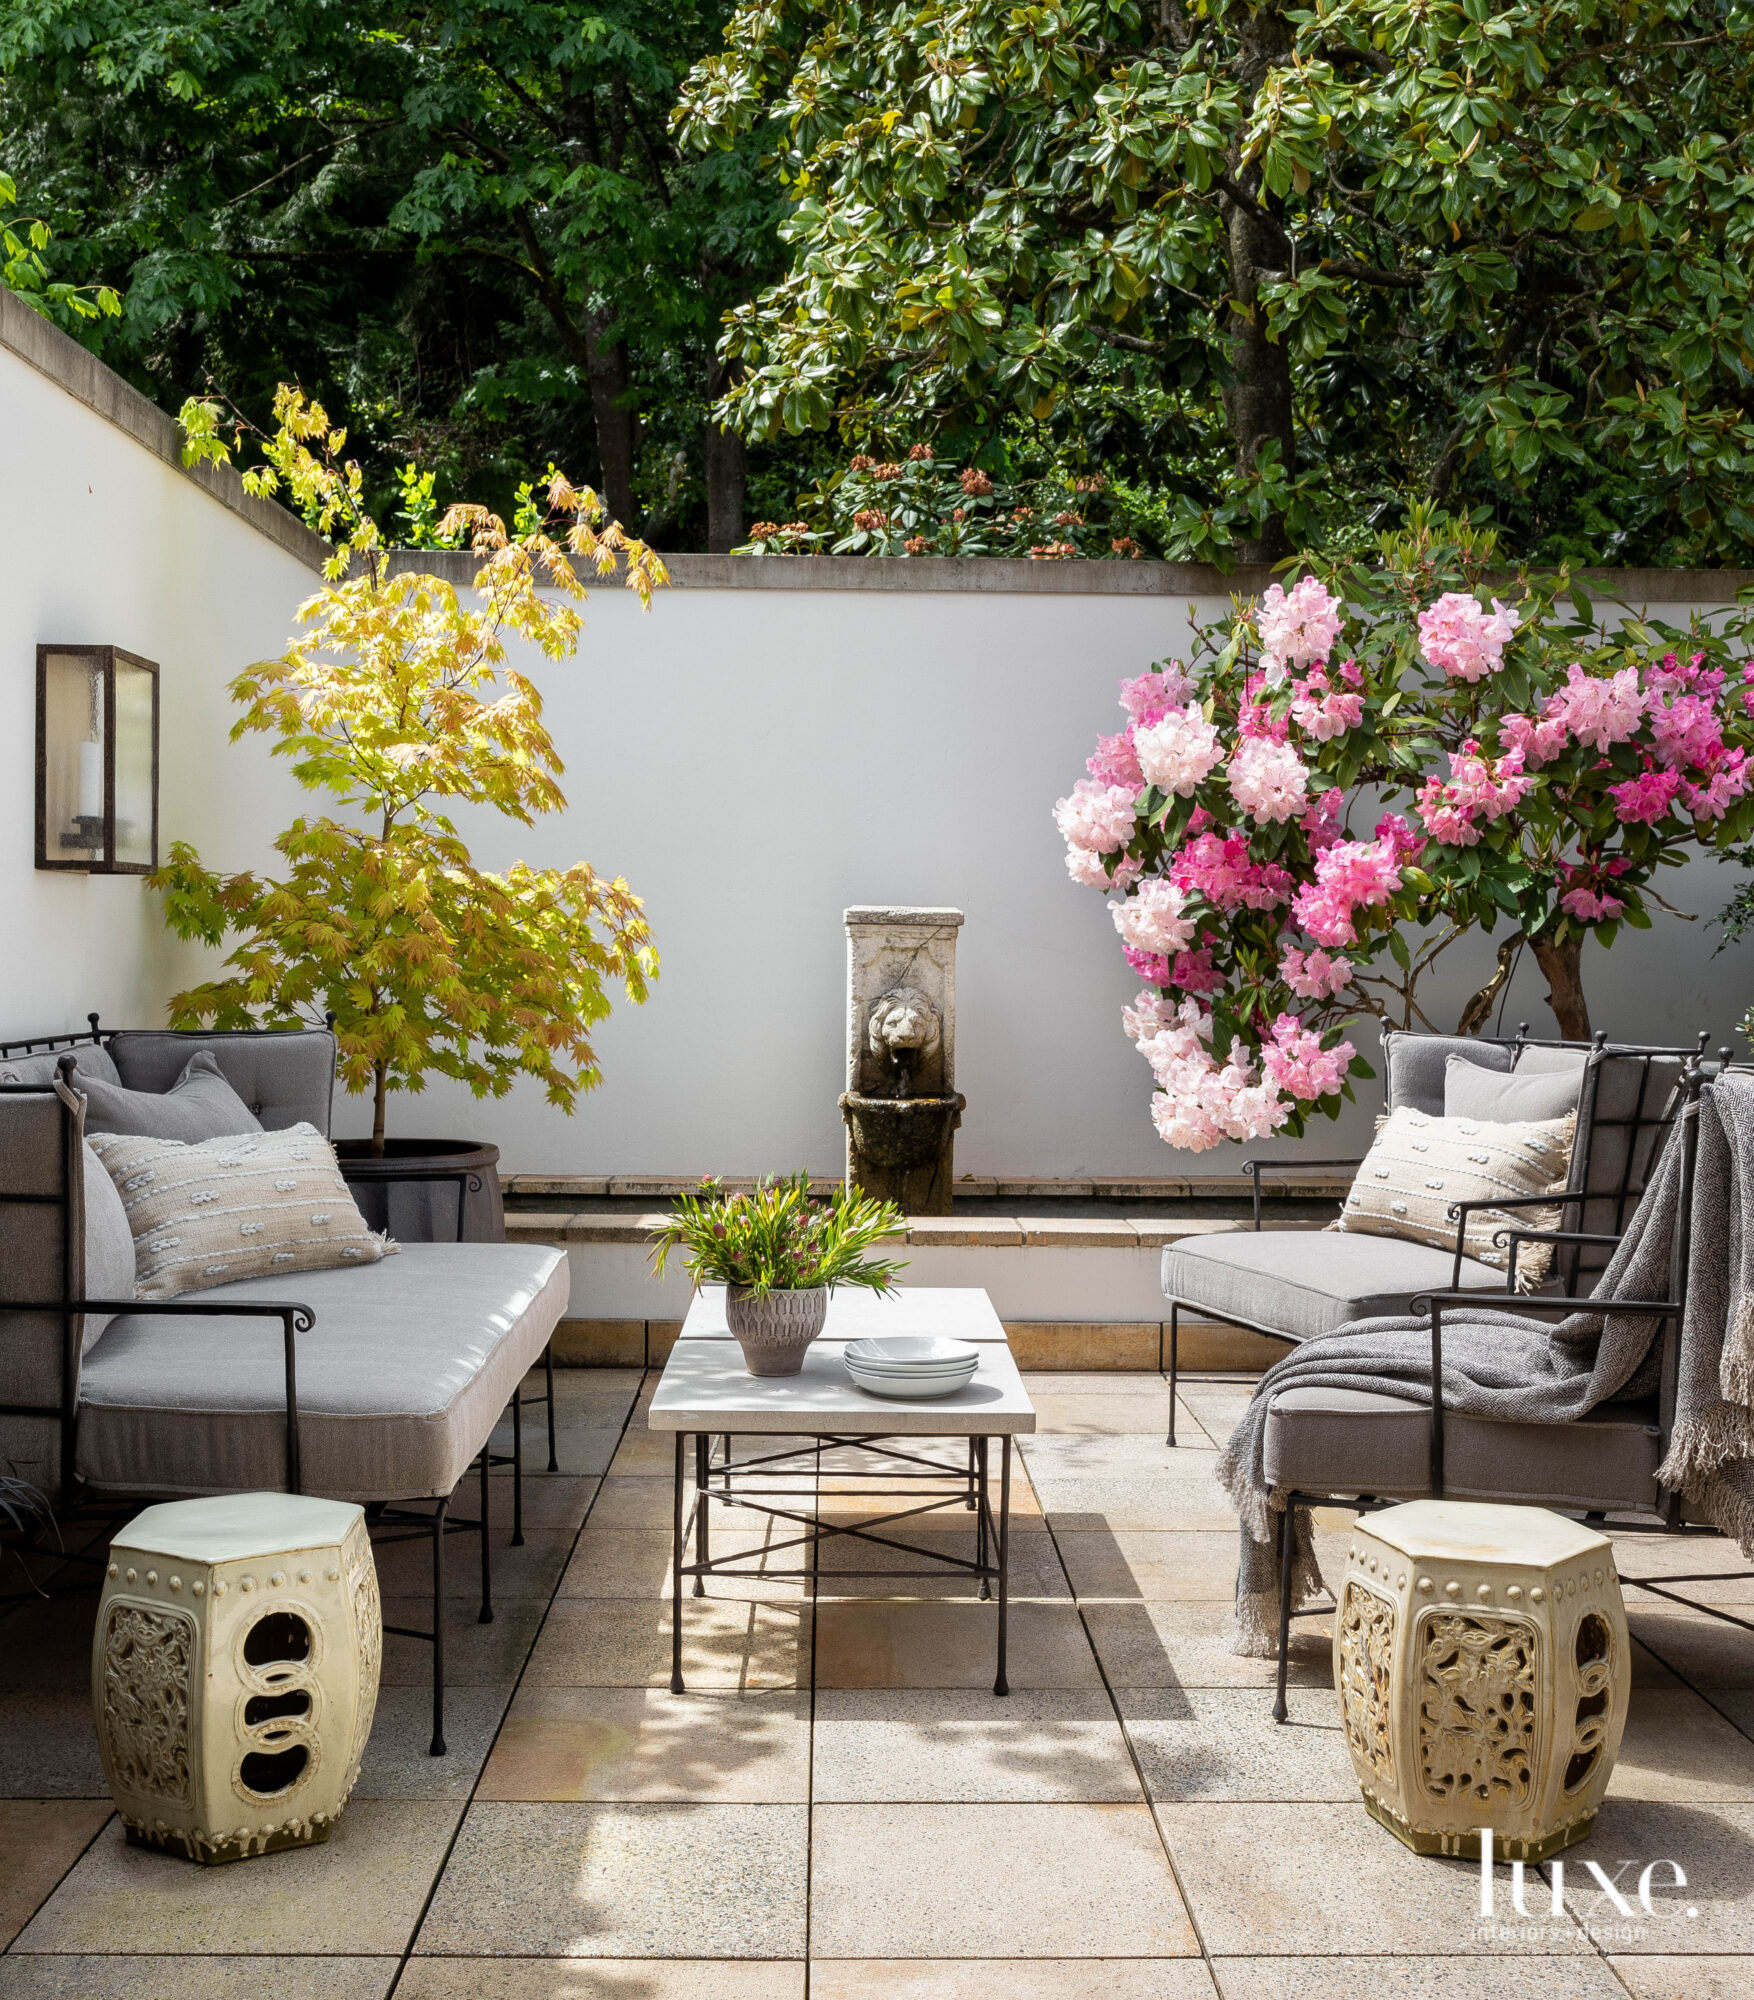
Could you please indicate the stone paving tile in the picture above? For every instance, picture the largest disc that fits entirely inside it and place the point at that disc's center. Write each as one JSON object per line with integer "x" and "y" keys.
{"x": 1678, "y": 1747}
{"x": 47, "y": 1645}
{"x": 1713, "y": 1844}
{"x": 1032, "y": 1558}
{"x": 635, "y": 1563}
{"x": 1187, "y": 1645}
{"x": 600, "y": 1979}
{"x": 624, "y": 1881}
{"x": 1144, "y": 1413}
{"x": 40, "y": 1839}
{"x": 887, "y": 1745}
{"x": 615, "y": 1744}
{"x": 48, "y": 1746}
{"x": 840, "y": 1502}
{"x": 405, "y": 1568}
{"x": 1009, "y": 1979}
{"x": 150, "y": 1977}
{"x": 947, "y": 1643}
{"x": 1154, "y": 1564}
{"x": 916, "y": 1881}
{"x": 1119, "y": 1503}
{"x": 1091, "y": 1382}
{"x": 397, "y": 1763}
{"x": 1321, "y": 1880}
{"x": 1459, "y": 1978}
{"x": 1737, "y": 1704}
{"x": 1116, "y": 1454}
{"x": 616, "y": 1642}
{"x": 360, "y": 1893}
{"x": 1201, "y": 1744}
{"x": 552, "y": 1500}
{"x": 1703, "y": 1650}
{"x": 476, "y": 1655}
{"x": 1680, "y": 1978}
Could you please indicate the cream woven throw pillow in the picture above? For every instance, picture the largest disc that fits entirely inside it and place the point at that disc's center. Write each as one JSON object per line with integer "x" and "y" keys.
{"x": 250, "y": 1206}
{"x": 1420, "y": 1164}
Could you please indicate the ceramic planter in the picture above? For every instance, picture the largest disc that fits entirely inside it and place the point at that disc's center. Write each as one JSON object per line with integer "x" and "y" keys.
{"x": 775, "y": 1329}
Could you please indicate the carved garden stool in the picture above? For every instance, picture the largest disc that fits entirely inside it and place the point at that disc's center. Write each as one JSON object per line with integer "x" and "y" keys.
{"x": 234, "y": 1671}
{"x": 1483, "y": 1664}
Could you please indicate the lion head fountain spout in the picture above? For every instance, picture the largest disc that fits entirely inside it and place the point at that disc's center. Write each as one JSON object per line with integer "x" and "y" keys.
{"x": 900, "y": 1105}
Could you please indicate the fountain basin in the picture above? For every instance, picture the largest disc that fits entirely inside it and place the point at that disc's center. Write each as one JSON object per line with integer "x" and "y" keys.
{"x": 901, "y": 1132}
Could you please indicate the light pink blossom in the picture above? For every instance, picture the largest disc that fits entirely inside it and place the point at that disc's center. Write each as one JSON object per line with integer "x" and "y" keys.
{"x": 1098, "y": 817}
{"x": 1297, "y": 629}
{"x": 1598, "y": 711}
{"x": 1539, "y": 741}
{"x": 1194, "y": 972}
{"x": 1350, "y": 875}
{"x": 1590, "y": 907}
{"x": 1315, "y": 975}
{"x": 1150, "y": 1013}
{"x": 1686, "y": 731}
{"x": 1199, "y": 1103}
{"x": 1116, "y": 762}
{"x": 1725, "y": 782}
{"x": 1151, "y": 918}
{"x": 1150, "y": 966}
{"x": 1397, "y": 836}
{"x": 1087, "y": 869}
{"x": 1295, "y": 1061}
{"x": 1478, "y": 789}
{"x": 1460, "y": 640}
{"x": 1178, "y": 751}
{"x": 1318, "y": 709}
{"x": 1150, "y": 697}
{"x": 1268, "y": 780}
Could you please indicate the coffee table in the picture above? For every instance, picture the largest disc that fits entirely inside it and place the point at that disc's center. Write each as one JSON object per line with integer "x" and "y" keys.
{"x": 706, "y": 1396}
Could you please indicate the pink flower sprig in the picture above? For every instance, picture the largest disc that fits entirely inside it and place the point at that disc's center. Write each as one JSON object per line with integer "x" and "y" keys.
{"x": 1644, "y": 800}
{"x": 1219, "y": 869}
{"x": 1296, "y": 1063}
{"x": 1268, "y": 780}
{"x": 1178, "y": 751}
{"x": 1478, "y": 790}
{"x": 1313, "y": 975}
{"x": 1296, "y": 629}
{"x": 1349, "y": 876}
{"x": 1461, "y": 640}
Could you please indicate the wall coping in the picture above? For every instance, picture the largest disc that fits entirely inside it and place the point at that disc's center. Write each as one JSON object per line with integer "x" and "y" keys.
{"x": 58, "y": 356}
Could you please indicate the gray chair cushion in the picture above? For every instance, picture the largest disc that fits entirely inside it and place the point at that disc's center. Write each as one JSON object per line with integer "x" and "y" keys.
{"x": 199, "y": 1106}
{"x": 91, "y": 1058}
{"x": 1349, "y": 1441}
{"x": 1304, "y": 1282}
{"x": 284, "y": 1078}
{"x": 1415, "y": 1065}
{"x": 400, "y": 1382}
{"x": 109, "y": 1247}
{"x": 1471, "y": 1091}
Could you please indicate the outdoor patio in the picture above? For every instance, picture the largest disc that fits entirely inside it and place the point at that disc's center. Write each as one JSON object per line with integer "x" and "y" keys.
{"x": 840, "y": 1807}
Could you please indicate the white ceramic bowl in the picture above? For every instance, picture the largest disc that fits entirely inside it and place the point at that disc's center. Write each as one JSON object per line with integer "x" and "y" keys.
{"x": 912, "y": 1352}
{"x": 910, "y": 1388}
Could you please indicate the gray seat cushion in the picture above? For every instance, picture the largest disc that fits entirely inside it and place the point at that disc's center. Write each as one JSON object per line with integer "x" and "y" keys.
{"x": 400, "y": 1382}
{"x": 1351, "y": 1441}
{"x": 1303, "y": 1282}
{"x": 285, "y": 1078}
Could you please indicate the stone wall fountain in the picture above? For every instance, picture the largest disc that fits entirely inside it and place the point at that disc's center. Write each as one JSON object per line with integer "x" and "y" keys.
{"x": 901, "y": 1105}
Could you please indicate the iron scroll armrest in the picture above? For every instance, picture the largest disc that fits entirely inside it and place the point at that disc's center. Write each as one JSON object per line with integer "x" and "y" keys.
{"x": 294, "y": 1320}
{"x": 1509, "y": 1240}
{"x": 1458, "y": 1212}
{"x": 1255, "y": 1168}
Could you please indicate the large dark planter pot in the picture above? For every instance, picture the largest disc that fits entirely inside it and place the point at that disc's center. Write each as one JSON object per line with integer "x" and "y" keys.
{"x": 392, "y": 1193}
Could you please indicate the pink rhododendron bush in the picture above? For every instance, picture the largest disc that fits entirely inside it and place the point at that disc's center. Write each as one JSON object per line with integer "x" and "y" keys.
{"x": 1360, "y": 768}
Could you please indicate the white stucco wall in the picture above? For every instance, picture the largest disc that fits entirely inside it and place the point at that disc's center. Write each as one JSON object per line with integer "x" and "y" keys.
{"x": 752, "y": 761}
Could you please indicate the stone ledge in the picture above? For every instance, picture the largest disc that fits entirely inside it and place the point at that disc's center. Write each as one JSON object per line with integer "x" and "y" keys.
{"x": 1290, "y": 1184}
{"x": 923, "y": 1232}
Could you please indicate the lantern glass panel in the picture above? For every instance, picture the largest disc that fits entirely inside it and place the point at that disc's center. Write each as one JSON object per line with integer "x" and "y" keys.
{"x": 73, "y": 751}
{"x": 135, "y": 698}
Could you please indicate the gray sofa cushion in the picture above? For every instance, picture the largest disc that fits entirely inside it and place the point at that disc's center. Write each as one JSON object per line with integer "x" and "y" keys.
{"x": 400, "y": 1381}
{"x": 1415, "y": 1065}
{"x": 91, "y": 1058}
{"x": 285, "y": 1078}
{"x": 1356, "y": 1441}
{"x": 1472, "y": 1091}
{"x": 109, "y": 1247}
{"x": 199, "y": 1106}
{"x": 1304, "y": 1282}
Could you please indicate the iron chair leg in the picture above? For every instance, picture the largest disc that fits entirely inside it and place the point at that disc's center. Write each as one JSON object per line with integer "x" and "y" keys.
{"x": 438, "y": 1630}
{"x": 548, "y": 1370}
{"x": 1287, "y": 1557}
{"x": 518, "y": 1468}
{"x": 1174, "y": 1359}
{"x": 486, "y": 1617}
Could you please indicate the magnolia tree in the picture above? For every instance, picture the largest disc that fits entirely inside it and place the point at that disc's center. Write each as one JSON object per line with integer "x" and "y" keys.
{"x": 1350, "y": 775}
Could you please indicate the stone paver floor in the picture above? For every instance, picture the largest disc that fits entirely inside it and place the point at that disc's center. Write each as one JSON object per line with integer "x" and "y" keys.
{"x": 839, "y": 1807}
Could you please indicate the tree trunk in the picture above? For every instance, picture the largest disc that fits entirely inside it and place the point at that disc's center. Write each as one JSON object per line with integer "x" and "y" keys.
{"x": 1257, "y": 402}
{"x": 1563, "y": 965}
{"x": 380, "y": 1086}
{"x": 606, "y": 365}
{"x": 727, "y": 472}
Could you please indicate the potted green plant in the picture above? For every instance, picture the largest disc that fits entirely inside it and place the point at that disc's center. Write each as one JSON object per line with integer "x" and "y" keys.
{"x": 399, "y": 701}
{"x": 779, "y": 1254}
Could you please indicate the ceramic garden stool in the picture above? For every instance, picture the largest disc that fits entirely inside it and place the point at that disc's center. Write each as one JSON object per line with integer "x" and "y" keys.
{"x": 1484, "y": 1666}
{"x": 234, "y": 1671}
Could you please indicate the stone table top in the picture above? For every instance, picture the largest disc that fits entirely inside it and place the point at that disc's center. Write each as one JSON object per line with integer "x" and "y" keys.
{"x": 958, "y": 1312}
{"x": 705, "y": 1387}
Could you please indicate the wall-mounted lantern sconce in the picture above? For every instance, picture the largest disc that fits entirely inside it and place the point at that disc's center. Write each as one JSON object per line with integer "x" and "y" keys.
{"x": 97, "y": 760}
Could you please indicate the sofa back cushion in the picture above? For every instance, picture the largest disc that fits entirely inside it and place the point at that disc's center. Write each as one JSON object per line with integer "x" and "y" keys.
{"x": 199, "y": 1105}
{"x": 1472, "y": 1091}
{"x": 285, "y": 1078}
{"x": 1416, "y": 1066}
{"x": 91, "y": 1058}
{"x": 262, "y": 1205}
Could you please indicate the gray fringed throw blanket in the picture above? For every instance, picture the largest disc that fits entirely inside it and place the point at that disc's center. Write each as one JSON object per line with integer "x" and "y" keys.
{"x": 1528, "y": 1371}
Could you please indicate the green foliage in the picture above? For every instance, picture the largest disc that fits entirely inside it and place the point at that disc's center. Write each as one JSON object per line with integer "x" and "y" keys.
{"x": 398, "y": 701}
{"x": 776, "y": 1239}
{"x": 23, "y": 269}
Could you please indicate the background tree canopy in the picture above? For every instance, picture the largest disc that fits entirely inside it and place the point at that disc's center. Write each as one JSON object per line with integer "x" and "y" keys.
{"x": 1277, "y": 274}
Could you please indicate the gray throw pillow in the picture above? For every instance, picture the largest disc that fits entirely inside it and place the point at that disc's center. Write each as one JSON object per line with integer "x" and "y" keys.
{"x": 200, "y": 1105}
{"x": 109, "y": 1247}
{"x": 1518, "y": 1099}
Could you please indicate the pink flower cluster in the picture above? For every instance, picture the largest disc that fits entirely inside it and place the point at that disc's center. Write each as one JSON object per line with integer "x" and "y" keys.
{"x": 1313, "y": 975}
{"x": 1298, "y": 629}
{"x": 1268, "y": 780}
{"x": 1150, "y": 697}
{"x": 1089, "y": 870}
{"x": 1096, "y": 816}
{"x": 1586, "y": 896}
{"x": 1597, "y": 711}
{"x": 1321, "y": 709}
{"x": 1218, "y": 868}
{"x": 1116, "y": 762}
{"x": 1296, "y": 1063}
{"x": 1460, "y": 640}
{"x": 1351, "y": 875}
{"x": 1151, "y": 919}
{"x": 1478, "y": 789}
{"x": 1178, "y": 751}
{"x": 1645, "y": 799}
{"x": 1199, "y": 1103}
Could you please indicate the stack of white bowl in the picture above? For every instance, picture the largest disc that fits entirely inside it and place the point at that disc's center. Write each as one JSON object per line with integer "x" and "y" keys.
{"x": 917, "y": 1367}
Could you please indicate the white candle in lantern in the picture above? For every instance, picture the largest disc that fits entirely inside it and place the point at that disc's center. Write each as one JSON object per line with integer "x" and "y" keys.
{"x": 91, "y": 780}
